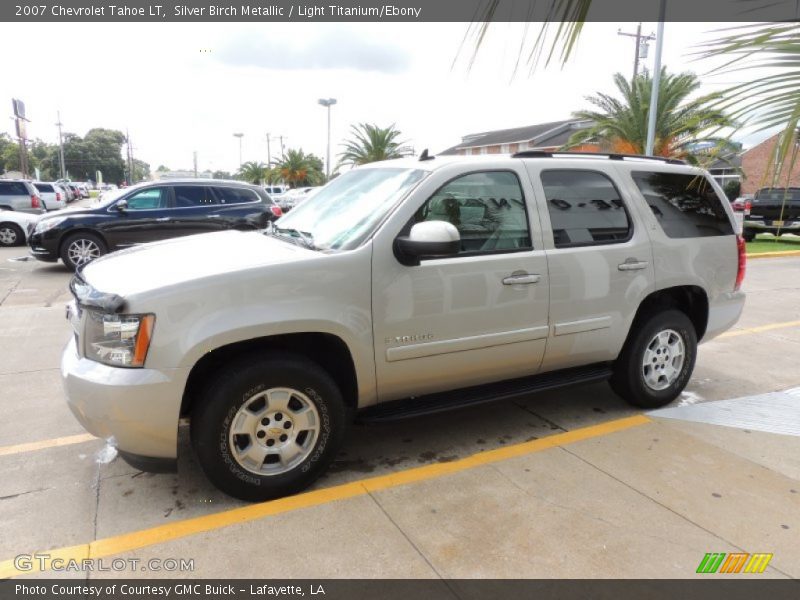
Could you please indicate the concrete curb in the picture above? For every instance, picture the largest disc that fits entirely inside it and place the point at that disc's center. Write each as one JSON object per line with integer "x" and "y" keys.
{"x": 773, "y": 254}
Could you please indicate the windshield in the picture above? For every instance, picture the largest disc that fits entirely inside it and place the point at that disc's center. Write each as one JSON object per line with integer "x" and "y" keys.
{"x": 346, "y": 211}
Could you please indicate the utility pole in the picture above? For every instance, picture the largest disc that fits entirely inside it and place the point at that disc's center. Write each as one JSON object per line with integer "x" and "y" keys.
{"x": 131, "y": 177}
{"x": 283, "y": 150}
{"x": 651, "y": 122}
{"x": 642, "y": 42}
{"x": 269, "y": 155}
{"x": 194, "y": 160}
{"x": 61, "y": 147}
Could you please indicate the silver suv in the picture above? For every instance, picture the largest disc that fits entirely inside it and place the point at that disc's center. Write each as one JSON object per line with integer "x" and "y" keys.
{"x": 16, "y": 194}
{"x": 402, "y": 288}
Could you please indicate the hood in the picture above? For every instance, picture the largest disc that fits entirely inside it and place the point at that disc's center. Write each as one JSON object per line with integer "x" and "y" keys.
{"x": 180, "y": 260}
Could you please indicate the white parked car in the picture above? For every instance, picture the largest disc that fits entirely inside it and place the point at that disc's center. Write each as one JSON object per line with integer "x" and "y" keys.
{"x": 53, "y": 195}
{"x": 15, "y": 227}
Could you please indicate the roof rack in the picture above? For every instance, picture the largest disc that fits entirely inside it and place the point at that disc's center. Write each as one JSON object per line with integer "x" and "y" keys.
{"x": 608, "y": 155}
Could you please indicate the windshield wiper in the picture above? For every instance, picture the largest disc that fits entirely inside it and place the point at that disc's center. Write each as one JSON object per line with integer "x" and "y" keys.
{"x": 296, "y": 234}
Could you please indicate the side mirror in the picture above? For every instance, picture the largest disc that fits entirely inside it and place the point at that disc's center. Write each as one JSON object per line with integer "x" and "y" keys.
{"x": 429, "y": 239}
{"x": 122, "y": 205}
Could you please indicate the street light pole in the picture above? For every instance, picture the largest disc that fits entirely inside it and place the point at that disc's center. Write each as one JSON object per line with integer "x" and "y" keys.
{"x": 269, "y": 154}
{"x": 651, "y": 122}
{"x": 327, "y": 103}
{"x": 240, "y": 136}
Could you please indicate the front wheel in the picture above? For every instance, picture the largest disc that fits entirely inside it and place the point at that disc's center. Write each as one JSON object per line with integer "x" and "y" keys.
{"x": 268, "y": 426}
{"x": 657, "y": 360}
{"x": 81, "y": 248}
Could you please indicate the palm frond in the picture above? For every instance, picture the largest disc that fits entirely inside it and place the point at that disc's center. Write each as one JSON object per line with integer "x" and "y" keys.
{"x": 770, "y": 101}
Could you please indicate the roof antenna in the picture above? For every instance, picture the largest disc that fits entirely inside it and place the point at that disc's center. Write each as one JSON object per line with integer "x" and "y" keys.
{"x": 424, "y": 156}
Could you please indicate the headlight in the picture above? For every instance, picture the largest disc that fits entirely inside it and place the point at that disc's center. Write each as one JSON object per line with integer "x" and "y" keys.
{"x": 118, "y": 340}
{"x": 47, "y": 224}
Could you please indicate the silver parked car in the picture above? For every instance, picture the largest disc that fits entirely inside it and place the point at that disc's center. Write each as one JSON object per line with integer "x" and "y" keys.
{"x": 402, "y": 288}
{"x": 16, "y": 194}
{"x": 53, "y": 195}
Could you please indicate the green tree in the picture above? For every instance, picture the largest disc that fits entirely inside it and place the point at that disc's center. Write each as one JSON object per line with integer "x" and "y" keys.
{"x": 297, "y": 168}
{"x": 370, "y": 143}
{"x": 221, "y": 175}
{"x": 620, "y": 122}
{"x": 252, "y": 172}
{"x": 162, "y": 169}
{"x": 141, "y": 170}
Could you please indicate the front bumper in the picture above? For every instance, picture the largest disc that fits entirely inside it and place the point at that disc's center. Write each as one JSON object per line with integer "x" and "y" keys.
{"x": 138, "y": 408}
{"x": 43, "y": 247}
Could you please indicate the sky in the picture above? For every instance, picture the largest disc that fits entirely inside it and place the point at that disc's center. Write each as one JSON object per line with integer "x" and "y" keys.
{"x": 183, "y": 88}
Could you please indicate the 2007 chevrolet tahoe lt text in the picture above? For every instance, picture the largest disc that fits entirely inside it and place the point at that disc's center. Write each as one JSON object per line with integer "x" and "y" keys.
{"x": 401, "y": 288}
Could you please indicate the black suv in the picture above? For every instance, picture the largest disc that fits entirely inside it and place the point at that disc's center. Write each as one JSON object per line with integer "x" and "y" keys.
{"x": 150, "y": 212}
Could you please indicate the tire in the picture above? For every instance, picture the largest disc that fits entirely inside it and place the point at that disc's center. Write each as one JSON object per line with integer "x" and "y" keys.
{"x": 749, "y": 235}
{"x": 92, "y": 246}
{"x": 11, "y": 234}
{"x": 657, "y": 384}
{"x": 289, "y": 386}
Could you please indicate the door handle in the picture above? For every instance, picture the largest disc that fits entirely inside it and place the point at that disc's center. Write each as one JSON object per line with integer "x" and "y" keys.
{"x": 162, "y": 219}
{"x": 213, "y": 216}
{"x": 631, "y": 264}
{"x": 521, "y": 279}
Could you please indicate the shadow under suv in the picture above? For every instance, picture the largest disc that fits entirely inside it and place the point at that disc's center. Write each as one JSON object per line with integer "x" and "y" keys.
{"x": 150, "y": 212}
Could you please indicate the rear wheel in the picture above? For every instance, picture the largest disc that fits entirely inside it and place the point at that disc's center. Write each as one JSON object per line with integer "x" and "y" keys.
{"x": 11, "y": 234}
{"x": 268, "y": 426}
{"x": 749, "y": 235}
{"x": 657, "y": 360}
{"x": 82, "y": 248}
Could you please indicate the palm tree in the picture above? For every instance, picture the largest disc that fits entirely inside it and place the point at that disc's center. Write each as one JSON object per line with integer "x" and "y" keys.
{"x": 370, "y": 143}
{"x": 252, "y": 172}
{"x": 767, "y": 101}
{"x": 620, "y": 124}
{"x": 298, "y": 168}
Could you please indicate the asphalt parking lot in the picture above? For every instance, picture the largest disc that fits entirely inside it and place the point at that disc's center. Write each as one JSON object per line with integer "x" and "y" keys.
{"x": 572, "y": 483}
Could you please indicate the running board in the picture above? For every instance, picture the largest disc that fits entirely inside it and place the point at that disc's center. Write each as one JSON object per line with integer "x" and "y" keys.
{"x": 480, "y": 394}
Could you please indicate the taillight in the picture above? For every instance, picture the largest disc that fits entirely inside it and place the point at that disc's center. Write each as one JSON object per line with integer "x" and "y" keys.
{"x": 276, "y": 210}
{"x": 35, "y": 202}
{"x": 747, "y": 206}
{"x": 740, "y": 246}
{"x": 58, "y": 196}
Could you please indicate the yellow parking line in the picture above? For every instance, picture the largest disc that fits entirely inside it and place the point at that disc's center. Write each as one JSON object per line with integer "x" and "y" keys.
{"x": 44, "y": 444}
{"x": 773, "y": 254}
{"x": 759, "y": 329}
{"x": 180, "y": 529}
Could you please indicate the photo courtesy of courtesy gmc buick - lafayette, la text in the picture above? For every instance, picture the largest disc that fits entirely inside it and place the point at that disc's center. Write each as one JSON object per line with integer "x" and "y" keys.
{"x": 401, "y": 288}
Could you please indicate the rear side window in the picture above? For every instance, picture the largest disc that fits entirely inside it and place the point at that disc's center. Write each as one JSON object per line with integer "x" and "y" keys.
{"x": 585, "y": 208}
{"x": 193, "y": 195}
{"x": 13, "y": 188}
{"x": 232, "y": 195}
{"x": 44, "y": 187}
{"x": 685, "y": 205}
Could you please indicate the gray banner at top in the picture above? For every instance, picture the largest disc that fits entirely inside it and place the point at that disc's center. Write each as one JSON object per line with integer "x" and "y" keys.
{"x": 392, "y": 10}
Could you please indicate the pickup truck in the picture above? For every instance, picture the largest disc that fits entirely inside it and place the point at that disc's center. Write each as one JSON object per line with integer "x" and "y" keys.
{"x": 401, "y": 288}
{"x": 773, "y": 210}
